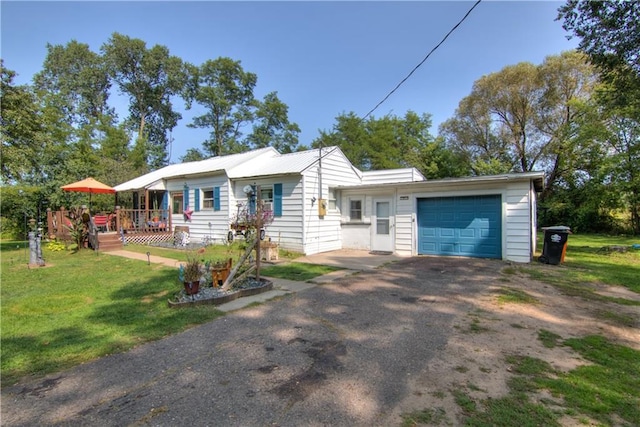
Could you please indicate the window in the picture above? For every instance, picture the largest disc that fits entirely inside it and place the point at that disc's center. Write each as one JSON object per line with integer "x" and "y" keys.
{"x": 266, "y": 194}
{"x": 332, "y": 199}
{"x": 178, "y": 203}
{"x": 207, "y": 199}
{"x": 355, "y": 210}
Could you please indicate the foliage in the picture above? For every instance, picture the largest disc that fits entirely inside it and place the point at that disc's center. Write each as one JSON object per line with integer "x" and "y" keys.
{"x": 81, "y": 307}
{"x": 20, "y": 128}
{"x": 273, "y": 128}
{"x": 523, "y": 118}
{"x": 55, "y": 246}
{"x": 78, "y": 229}
{"x": 192, "y": 269}
{"x": 251, "y": 219}
{"x": 226, "y": 91}
{"x": 392, "y": 142}
{"x": 150, "y": 77}
{"x": 609, "y": 31}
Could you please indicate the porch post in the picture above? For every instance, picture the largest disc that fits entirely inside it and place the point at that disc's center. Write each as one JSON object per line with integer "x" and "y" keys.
{"x": 147, "y": 215}
{"x": 118, "y": 218}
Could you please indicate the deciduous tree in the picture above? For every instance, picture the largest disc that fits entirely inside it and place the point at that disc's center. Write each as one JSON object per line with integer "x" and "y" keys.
{"x": 150, "y": 77}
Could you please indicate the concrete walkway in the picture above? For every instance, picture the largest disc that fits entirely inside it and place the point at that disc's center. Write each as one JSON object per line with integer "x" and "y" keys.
{"x": 349, "y": 260}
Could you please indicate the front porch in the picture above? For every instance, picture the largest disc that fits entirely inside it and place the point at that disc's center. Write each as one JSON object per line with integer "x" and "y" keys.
{"x": 139, "y": 226}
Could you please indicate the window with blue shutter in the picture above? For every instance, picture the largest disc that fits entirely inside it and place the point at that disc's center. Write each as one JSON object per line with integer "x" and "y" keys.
{"x": 277, "y": 199}
{"x": 216, "y": 198}
{"x": 196, "y": 199}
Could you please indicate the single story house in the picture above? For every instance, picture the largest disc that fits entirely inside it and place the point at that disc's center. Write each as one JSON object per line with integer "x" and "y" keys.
{"x": 321, "y": 202}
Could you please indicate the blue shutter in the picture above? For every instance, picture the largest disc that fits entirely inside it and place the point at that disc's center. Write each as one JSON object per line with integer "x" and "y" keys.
{"x": 165, "y": 204}
{"x": 252, "y": 201}
{"x": 216, "y": 198}
{"x": 185, "y": 196}
{"x": 196, "y": 199}
{"x": 277, "y": 199}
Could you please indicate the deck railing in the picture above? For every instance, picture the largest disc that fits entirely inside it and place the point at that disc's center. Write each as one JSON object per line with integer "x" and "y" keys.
{"x": 142, "y": 221}
{"x": 122, "y": 220}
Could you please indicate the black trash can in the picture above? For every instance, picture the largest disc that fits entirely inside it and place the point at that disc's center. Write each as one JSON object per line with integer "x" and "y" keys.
{"x": 555, "y": 244}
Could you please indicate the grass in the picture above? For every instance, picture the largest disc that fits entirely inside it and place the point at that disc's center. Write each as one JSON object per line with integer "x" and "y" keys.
{"x": 211, "y": 252}
{"x": 83, "y": 306}
{"x": 604, "y": 392}
{"x": 586, "y": 266}
{"x": 426, "y": 416}
{"x": 548, "y": 339}
{"x": 607, "y": 390}
{"x": 515, "y": 296}
{"x": 297, "y": 271}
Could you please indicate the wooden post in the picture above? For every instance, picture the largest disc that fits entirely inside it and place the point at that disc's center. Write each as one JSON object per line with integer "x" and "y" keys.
{"x": 50, "y": 227}
{"x": 118, "y": 219}
{"x": 227, "y": 283}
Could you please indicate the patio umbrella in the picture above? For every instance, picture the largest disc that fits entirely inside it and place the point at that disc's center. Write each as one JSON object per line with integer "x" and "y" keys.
{"x": 91, "y": 186}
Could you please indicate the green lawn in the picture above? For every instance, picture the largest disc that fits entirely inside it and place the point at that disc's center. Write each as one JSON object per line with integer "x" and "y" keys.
{"x": 587, "y": 265}
{"x": 83, "y": 306}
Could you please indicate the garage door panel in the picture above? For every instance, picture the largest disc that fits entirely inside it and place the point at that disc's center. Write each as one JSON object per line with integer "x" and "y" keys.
{"x": 463, "y": 226}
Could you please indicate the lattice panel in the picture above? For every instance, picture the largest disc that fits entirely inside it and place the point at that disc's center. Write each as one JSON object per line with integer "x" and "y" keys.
{"x": 145, "y": 239}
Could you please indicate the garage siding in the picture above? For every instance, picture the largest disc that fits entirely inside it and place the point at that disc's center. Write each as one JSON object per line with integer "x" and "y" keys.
{"x": 518, "y": 224}
{"x": 460, "y": 226}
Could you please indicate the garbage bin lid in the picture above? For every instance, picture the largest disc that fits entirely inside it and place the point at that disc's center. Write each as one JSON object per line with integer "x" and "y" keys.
{"x": 558, "y": 228}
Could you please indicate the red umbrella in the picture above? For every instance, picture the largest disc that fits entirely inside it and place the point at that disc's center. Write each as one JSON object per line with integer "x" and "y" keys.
{"x": 89, "y": 185}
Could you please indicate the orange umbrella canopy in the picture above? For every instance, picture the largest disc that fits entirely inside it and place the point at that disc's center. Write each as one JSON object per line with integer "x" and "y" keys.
{"x": 89, "y": 185}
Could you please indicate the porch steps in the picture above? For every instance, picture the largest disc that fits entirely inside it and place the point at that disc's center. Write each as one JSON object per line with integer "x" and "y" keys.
{"x": 109, "y": 241}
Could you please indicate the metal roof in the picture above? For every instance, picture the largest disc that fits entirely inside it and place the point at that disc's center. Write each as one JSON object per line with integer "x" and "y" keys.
{"x": 536, "y": 176}
{"x": 220, "y": 163}
{"x": 291, "y": 163}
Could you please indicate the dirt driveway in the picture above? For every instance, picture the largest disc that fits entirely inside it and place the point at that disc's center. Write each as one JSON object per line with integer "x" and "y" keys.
{"x": 359, "y": 351}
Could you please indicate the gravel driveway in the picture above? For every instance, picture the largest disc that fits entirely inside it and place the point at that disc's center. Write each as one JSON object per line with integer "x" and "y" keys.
{"x": 339, "y": 354}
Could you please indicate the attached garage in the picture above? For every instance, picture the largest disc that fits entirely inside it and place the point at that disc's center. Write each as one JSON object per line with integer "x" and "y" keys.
{"x": 483, "y": 217}
{"x": 460, "y": 226}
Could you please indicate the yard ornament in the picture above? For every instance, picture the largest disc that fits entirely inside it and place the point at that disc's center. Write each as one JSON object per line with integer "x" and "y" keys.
{"x": 187, "y": 214}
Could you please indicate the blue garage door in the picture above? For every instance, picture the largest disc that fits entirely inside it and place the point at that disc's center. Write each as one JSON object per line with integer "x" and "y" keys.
{"x": 460, "y": 226}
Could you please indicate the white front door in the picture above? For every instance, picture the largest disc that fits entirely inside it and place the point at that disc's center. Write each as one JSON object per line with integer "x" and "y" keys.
{"x": 382, "y": 221}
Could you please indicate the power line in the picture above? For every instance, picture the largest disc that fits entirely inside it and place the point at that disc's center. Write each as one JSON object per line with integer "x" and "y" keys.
{"x": 425, "y": 58}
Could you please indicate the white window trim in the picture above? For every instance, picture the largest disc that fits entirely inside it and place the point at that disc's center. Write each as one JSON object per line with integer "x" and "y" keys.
{"x": 204, "y": 200}
{"x": 356, "y": 199}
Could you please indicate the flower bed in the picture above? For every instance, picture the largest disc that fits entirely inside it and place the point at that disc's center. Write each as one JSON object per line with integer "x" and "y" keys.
{"x": 216, "y": 296}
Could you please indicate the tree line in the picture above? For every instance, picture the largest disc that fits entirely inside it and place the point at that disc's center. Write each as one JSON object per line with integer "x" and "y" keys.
{"x": 575, "y": 116}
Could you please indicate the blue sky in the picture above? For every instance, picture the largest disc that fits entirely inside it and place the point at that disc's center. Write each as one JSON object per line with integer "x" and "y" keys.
{"x": 323, "y": 58}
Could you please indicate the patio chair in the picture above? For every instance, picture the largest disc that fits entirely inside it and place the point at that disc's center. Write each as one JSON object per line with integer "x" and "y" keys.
{"x": 101, "y": 222}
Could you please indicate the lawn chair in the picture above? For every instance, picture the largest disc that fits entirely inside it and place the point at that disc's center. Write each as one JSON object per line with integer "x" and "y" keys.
{"x": 101, "y": 222}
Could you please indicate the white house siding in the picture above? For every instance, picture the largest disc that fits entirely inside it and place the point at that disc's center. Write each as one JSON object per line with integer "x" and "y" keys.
{"x": 517, "y": 222}
{"x": 406, "y": 206}
{"x": 358, "y": 234}
{"x": 205, "y": 222}
{"x": 325, "y": 234}
{"x": 391, "y": 175}
{"x": 286, "y": 229}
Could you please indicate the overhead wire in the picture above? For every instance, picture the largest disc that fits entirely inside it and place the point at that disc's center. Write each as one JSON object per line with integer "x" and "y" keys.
{"x": 423, "y": 60}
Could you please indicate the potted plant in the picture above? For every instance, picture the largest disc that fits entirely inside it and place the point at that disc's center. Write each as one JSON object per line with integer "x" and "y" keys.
{"x": 191, "y": 272}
